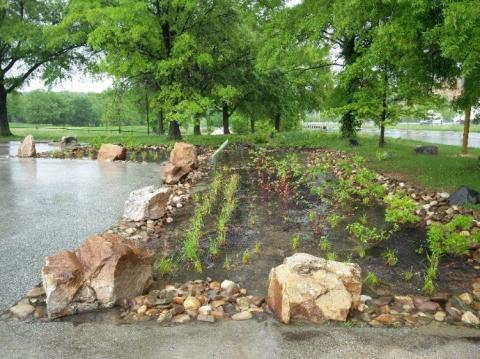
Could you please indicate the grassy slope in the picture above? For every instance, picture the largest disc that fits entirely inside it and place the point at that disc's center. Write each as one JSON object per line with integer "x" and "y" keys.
{"x": 445, "y": 171}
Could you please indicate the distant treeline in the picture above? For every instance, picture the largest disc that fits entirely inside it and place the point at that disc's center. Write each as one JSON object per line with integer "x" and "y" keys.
{"x": 73, "y": 108}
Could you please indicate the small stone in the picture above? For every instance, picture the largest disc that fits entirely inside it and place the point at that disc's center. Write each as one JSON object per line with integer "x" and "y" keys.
{"x": 466, "y": 298}
{"x": 35, "y": 292}
{"x": 387, "y": 319}
{"x": 424, "y": 305}
{"x": 40, "y": 312}
{"x": 364, "y": 298}
{"x": 169, "y": 220}
{"x": 214, "y": 285}
{"x": 258, "y": 301}
{"x": 217, "y": 303}
{"x": 226, "y": 283}
{"x": 165, "y": 316}
{"x": 142, "y": 309}
{"x": 362, "y": 307}
{"x": 454, "y": 315}
{"x": 440, "y": 316}
{"x": 181, "y": 318}
{"x": 243, "y": 291}
{"x": 205, "y": 310}
{"x": 244, "y": 302}
{"x": 404, "y": 299}
{"x": 130, "y": 231}
{"x": 179, "y": 300}
{"x": 470, "y": 318}
{"x": 22, "y": 310}
{"x": 245, "y": 315}
{"x": 191, "y": 303}
{"x": 206, "y": 318}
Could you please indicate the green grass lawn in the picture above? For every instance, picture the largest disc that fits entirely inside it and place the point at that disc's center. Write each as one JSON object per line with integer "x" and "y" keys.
{"x": 445, "y": 171}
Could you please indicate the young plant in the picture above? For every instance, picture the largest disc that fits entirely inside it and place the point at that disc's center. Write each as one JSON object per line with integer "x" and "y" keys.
{"x": 213, "y": 249}
{"x": 371, "y": 279}
{"x": 400, "y": 209}
{"x": 312, "y": 216}
{"x": 324, "y": 244}
{"x": 408, "y": 276}
{"x": 164, "y": 266}
{"x": 133, "y": 156}
{"x": 144, "y": 155}
{"x": 331, "y": 256}
{"x": 227, "y": 264}
{"x": 257, "y": 249}
{"x": 361, "y": 251}
{"x": 295, "y": 242}
{"x": 198, "y": 266}
{"x": 334, "y": 219}
{"x": 246, "y": 256}
{"x": 390, "y": 257}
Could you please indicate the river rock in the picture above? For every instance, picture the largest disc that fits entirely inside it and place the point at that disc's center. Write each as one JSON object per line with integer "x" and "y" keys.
{"x": 22, "y": 310}
{"x": 245, "y": 315}
{"x": 464, "y": 195}
{"x": 68, "y": 141}
{"x": 147, "y": 203}
{"x": 109, "y": 152}
{"x": 426, "y": 150}
{"x": 27, "y": 147}
{"x": 104, "y": 269}
{"x": 470, "y": 318}
{"x": 183, "y": 160}
{"x": 314, "y": 289}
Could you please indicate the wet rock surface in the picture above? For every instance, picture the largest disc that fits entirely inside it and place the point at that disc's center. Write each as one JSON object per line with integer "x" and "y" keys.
{"x": 27, "y": 147}
{"x": 183, "y": 160}
{"x": 109, "y": 152}
{"x": 101, "y": 272}
{"x": 314, "y": 289}
{"x": 147, "y": 203}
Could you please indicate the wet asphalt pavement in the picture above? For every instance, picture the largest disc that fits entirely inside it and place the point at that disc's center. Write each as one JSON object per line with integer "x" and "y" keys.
{"x": 50, "y": 205}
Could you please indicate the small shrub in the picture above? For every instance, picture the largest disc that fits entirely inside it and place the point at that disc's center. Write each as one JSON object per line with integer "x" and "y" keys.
{"x": 257, "y": 249}
{"x": 295, "y": 242}
{"x": 246, "y": 256}
{"x": 324, "y": 244}
{"x": 334, "y": 219}
{"x": 448, "y": 238}
{"x": 371, "y": 279}
{"x": 400, "y": 209}
{"x": 408, "y": 276}
{"x": 390, "y": 257}
{"x": 164, "y": 266}
{"x": 331, "y": 256}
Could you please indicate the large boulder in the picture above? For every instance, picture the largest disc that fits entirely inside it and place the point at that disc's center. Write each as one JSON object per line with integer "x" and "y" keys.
{"x": 109, "y": 152}
{"x": 314, "y": 289}
{"x": 68, "y": 141}
{"x": 147, "y": 203}
{"x": 102, "y": 271}
{"x": 183, "y": 160}
{"x": 464, "y": 195}
{"x": 426, "y": 150}
{"x": 27, "y": 147}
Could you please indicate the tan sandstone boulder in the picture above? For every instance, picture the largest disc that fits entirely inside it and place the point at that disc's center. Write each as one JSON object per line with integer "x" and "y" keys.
{"x": 103, "y": 270}
{"x": 314, "y": 289}
{"x": 109, "y": 152}
{"x": 183, "y": 159}
{"x": 27, "y": 147}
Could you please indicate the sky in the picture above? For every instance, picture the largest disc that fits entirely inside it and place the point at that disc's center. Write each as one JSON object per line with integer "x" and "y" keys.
{"x": 86, "y": 83}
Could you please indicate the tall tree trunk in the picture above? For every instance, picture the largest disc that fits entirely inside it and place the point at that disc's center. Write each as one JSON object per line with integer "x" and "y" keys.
{"x": 174, "y": 131}
{"x": 383, "y": 116}
{"x": 160, "y": 128}
{"x": 276, "y": 121}
{"x": 147, "y": 110}
{"x": 252, "y": 125}
{"x": 4, "y": 126}
{"x": 196, "y": 127}
{"x": 466, "y": 129}
{"x": 226, "y": 116}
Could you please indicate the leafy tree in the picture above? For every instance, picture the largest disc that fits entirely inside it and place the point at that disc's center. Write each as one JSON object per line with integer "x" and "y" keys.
{"x": 35, "y": 37}
{"x": 459, "y": 39}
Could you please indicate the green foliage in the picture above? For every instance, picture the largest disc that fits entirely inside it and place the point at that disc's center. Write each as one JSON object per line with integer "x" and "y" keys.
{"x": 334, "y": 219}
{"x": 400, "y": 209}
{"x": 324, "y": 244}
{"x": 371, "y": 279}
{"x": 246, "y": 256}
{"x": 295, "y": 242}
{"x": 331, "y": 256}
{"x": 364, "y": 233}
{"x": 227, "y": 264}
{"x": 257, "y": 249}
{"x": 390, "y": 257}
{"x": 164, "y": 266}
{"x": 408, "y": 276}
{"x": 449, "y": 239}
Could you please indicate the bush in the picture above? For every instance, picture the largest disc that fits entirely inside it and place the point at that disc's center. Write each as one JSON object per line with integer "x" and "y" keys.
{"x": 400, "y": 209}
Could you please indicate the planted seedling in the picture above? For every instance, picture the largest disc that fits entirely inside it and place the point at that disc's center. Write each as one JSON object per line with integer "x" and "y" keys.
{"x": 227, "y": 264}
{"x": 144, "y": 155}
{"x": 324, "y": 244}
{"x": 164, "y": 266}
{"x": 198, "y": 266}
{"x": 408, "y": 276}
{"x": 371, "y": 279}
{"x": 295, "y": 242}
{"x": 246, "y": 256}
{"x": 390, "y": 257}
{"x": 257, "y": 249}
{"x": 331, "y": 256}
